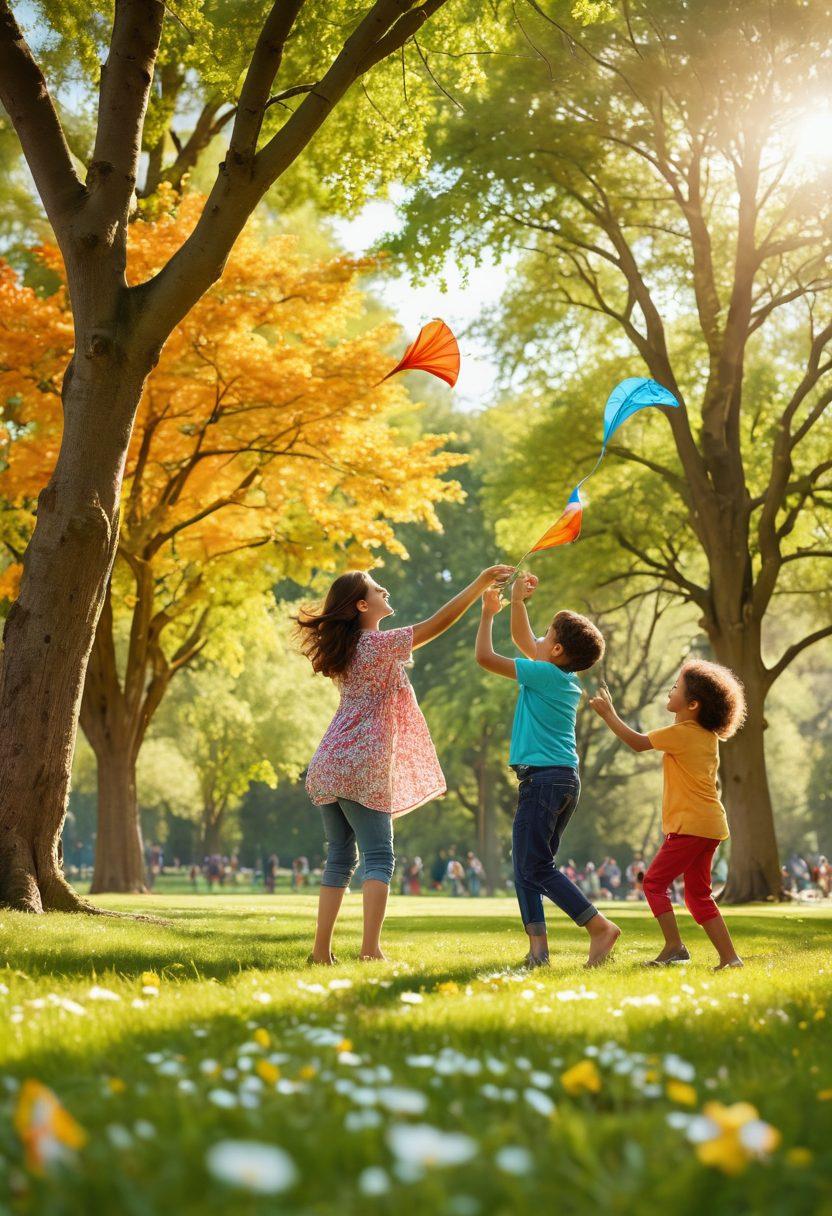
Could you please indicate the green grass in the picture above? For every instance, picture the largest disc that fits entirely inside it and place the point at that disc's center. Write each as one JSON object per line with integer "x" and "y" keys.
{"x": 757, "y": 1035}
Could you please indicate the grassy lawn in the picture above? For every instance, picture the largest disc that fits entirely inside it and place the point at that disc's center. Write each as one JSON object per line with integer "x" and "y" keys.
{"x": 353, "y": 1072}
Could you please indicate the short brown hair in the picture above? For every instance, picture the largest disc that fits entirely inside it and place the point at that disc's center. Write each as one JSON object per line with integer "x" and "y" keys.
{"x": 583, "y": 643}
{"x": 720, "y": 695}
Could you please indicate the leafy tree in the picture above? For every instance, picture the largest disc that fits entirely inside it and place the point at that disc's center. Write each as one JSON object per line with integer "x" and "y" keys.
{"x": 121, "y": 329}
{"x": 648, "y": 165}
{"x": 273, "y": 372}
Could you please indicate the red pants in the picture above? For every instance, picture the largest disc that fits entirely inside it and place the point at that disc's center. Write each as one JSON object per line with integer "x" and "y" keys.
{"x": 690, "y": 856}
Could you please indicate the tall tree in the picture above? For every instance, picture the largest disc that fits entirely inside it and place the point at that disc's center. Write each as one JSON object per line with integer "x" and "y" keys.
{"x": 120, "y": 330}
{"x": 233, "y": 409}
{"x": 655, "y": 166}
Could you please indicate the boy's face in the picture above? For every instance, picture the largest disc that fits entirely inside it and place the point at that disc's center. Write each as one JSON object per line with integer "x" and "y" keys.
{"x": 549, "y": 649}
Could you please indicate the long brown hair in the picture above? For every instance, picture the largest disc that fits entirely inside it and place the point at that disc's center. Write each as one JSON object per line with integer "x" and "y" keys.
{"x": 328, "y": 638}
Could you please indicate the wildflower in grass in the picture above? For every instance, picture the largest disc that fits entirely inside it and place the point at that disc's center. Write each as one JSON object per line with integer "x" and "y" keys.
{"x": 308, "y": 1072}
{"x": 420, "y": 1146}
{"x": 115, "y": 1085}
{"x": 448, "y": 988}
{"x": 263, "y": 1169}
{"x": 374, "y": 1181}
{"x": 412, "y": 998}
{"x": 223, "y": 1098}
{"x": 262, "y": 1037}
{"x": 681, "y": 1092}
{"x": 582, "y": 1078}
{"x": 539, "y": 1102}
{"x": 119, "y": 1136}
{"x": 262, "y": 998}
{"x": 102, "y": 994}
{"x": 344, "y": 1045}
{"x": 799, "y": 1157}
{"x": 514, "y": 1159}
{"x": 337, "y": 985}
{"x": 825, "y": 1095}
{"x": 47, "y": 1130}
{"x": 210, "y": 1068}
{"x": 401, "y": 1101}
{"x": 729, "y": 1137}
{"x": 360, "y": 1120}
{"x": 267, "y": 1071}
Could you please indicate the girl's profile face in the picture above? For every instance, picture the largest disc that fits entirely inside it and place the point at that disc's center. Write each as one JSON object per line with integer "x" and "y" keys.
{"x": 677, "y": 698}
{"x": 375, "y": 606}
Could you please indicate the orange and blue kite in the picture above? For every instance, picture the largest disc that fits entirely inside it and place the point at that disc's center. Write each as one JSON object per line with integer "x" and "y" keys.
{"x": 626, "y": 399}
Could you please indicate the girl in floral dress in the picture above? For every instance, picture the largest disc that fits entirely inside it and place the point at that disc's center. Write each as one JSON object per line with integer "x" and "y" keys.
{"x": 377, "y": 759}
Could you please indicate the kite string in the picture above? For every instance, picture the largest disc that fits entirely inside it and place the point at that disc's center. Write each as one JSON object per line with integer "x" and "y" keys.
{"x": 586, "y": 477}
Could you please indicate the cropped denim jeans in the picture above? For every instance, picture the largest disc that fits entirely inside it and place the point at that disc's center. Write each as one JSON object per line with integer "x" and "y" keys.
{"x": 547, "y": 800}
{"x": 348, "y": 827}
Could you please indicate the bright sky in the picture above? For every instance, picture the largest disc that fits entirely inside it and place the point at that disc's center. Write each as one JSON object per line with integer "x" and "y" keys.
{"x": 412, "y": 306}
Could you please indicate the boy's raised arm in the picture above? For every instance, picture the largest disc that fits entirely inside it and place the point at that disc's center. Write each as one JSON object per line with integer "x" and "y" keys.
{"x": 484, "y": 650}
{"x": 603, "y": 706}
{"x": 521, "y": 631}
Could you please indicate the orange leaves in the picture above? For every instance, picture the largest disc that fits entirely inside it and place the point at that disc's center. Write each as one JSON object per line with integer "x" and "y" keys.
{"x": 264, "y": 417}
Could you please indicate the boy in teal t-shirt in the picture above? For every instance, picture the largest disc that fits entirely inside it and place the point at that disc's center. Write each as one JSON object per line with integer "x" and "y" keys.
{"x": 544, "y": 757}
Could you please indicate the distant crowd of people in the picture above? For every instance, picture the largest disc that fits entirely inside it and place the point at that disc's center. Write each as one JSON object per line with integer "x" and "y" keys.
{"x": 807, "y": 877}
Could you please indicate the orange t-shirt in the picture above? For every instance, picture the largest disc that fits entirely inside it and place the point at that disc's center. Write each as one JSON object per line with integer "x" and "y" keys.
{"x": 690, "y": 802}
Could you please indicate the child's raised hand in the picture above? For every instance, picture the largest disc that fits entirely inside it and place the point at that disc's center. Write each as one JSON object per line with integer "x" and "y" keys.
{"x": 524, "y": 586}
{"x": 492, "y": 601}
{"x": 602, "y": 702}
{"x": 495, "y": 574}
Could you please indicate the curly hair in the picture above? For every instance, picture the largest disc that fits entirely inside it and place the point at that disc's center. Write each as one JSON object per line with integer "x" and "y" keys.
{"x": 328, "y": 638}
{"x": 720, "y": 694}
{"x": 582, "y": 642}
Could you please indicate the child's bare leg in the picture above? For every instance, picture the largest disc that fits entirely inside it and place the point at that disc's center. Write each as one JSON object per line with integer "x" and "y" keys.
{"x": 674, "y": 947}
{"x": 603, "y": 935}
{"x": 375, "y": 905}
{"x": 717, "y": 931}
{"x": 329, "y": 905}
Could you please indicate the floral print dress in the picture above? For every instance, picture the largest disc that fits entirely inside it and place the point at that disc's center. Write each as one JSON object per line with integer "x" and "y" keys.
{"x": 377, "y": 750}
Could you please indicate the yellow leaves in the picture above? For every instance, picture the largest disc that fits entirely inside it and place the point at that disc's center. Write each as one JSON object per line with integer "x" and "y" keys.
{"x": 582, "y": 1078}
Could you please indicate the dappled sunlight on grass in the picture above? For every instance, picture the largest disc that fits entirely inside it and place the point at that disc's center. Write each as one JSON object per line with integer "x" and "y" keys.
{"x": 448, "y": 1079}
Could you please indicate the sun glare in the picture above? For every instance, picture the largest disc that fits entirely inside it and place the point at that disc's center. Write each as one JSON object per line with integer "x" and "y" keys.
{"x": 812, "y": 135}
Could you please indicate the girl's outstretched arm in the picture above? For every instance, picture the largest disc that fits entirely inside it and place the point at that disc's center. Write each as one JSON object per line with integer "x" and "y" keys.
{"x": 484, "y": 652}
{"x": 449, "y": 614}
{"x": 603, "y": 706}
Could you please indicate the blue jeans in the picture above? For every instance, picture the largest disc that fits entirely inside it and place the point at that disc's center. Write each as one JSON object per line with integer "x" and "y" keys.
{"x": 547, "y": 800}
{"x": 346, "y": 823}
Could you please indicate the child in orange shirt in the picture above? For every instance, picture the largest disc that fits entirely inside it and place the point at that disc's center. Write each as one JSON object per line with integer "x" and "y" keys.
{"x": 709, "y": 705}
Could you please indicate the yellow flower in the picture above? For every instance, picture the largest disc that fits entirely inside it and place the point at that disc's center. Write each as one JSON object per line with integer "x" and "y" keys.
{"x": 583, "y": 1078}
{"x": 262, "y": 1037}
{"x": 741, "y": 1135}
{"x": 448, "y": 988}
{"x": 150, "y": 979}
{"x": 344, "y": 1045}
{"x": 116, "y": 1085}
{"x": 267, "y": 1071}
{"x": 48, "y": 1131}
{"x": 308, "y": 1072}
{"x": 820, "y": 1014}
{"x": 799, "y": 1157}
{"x": 681, "y": 1092}
{"x": 825, "y": 1095}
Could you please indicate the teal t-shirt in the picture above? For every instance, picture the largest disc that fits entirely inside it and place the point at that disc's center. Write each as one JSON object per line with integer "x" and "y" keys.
{"x": 544, "y": 720}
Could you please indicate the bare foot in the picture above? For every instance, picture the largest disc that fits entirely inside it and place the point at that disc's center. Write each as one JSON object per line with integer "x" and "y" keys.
{"x": 602, "y": 944}
{"x": 376, "y": 956}
{"x": 736, "y": 961}
{"x": 328, "y": 961}
{"x": 670, "y": 954}
{"x": 535, "y": 960}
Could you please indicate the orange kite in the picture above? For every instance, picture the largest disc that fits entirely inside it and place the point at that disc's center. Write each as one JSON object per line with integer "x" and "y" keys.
{"x": 435, "y": 350}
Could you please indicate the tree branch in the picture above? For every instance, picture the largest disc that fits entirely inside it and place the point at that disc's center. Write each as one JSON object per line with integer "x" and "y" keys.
{"x": 789, "y": 655}
{"x": 26, "y": 98}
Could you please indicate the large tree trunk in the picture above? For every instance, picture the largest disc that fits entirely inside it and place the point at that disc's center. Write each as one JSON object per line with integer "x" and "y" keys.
{"x": 119, "y": 851}
{"x": 212, "y": 825}
{"x": 754, "y": 867}
{"x": 49, "y": 630}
